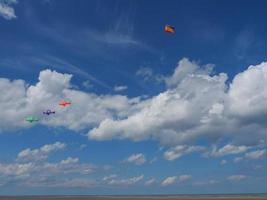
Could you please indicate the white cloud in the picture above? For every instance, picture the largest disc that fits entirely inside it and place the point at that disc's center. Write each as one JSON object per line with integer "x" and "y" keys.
{"x": 196, "y": 104}
{"x": 174, "y": 116}
{"x": 150, "y": 182}
{"x": 184, "y": 178}
{"x": 27, "y": 155}
{"x": 248, "y": 93}
{"x": 115, "y": 181}
{"x": 169, "y": 181}
{"x": 67, "y": 166}
{"x": 181, "y": 150}
{"x": 87, "y": 84}
{"x": 23, "y": 173}
{"x": 39, "y": 172}
{"x": 137, "y": 159}
{"x": 187, "y": 68}
{"x": 110, "y": 177}
{"x": 65, "y": 183}
{"x": 16, "y": 169}
{"x": 238, "y": 177}
{"x": 223, "y": 162}
{"x": 255, "y": 155}
{"x": 238, "y": 159}
{"x": 120, "y": 88}
{"x": 145, "y": 72}
{"x": 6, "y": 9}
{"x": 87, "y": 109}
{"x": 69, "y": 160}
{"x": 252, "y": 155}
{"x": 228, "y": 150}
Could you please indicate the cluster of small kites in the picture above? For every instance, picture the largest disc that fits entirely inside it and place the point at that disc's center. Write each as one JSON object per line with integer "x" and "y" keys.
{"x": 48, "y": 112}
{"x": 63, "y": 103}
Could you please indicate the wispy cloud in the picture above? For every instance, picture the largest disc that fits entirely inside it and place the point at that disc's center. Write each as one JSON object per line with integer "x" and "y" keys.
{"x": 181, "y": 150}
{"x": 169, "y": 181}
{"x": 150, "y": 182}
{"x": 237, "y": 177}
{"x": 39, "y": 154}
{"x": 148, "y": 75}
{"x": 252, "y": 155}
{"x": 114, "y": 180}
{"x": 119, "y": 88}
{"x": 59, "y": 63}
{"x": 228, "y": 150}
{"x": 6, "y": 9}
{"x": 54, "y": 62}
{"x": 31, "y": 169}
{"x": 137, "y": 159}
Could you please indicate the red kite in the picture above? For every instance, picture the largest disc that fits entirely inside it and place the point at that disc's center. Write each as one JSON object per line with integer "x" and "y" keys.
{"x": 64, "y": 103}
{"x": 169, "y": 29}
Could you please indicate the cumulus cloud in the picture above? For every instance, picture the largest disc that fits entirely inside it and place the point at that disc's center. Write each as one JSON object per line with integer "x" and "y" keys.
{"x": 174, "y": 116}
{"x": 238, "y": 177}
{"x": 114, "y": 180}
{"x": 253, "y": 155}
{"x": 137, "y": 159}
{"x": 228, "y": 149}
{"x": 174, "y": 179}
{"x": 69, "y": 160}
{"x": 16, "y": 169}
{"x": 23, "y": 172}
{"x": 145, "y": 72}
{"x": 187, "y": 68}
{"x": 27, "y": 155}
{"x": 248, "y": 93}
{"x": 6, "y": 9}
{"x": 28, "y": 170}
{"x": 110, "y": 177}
{"x": 197, "y": 103}
{"x": 120, "y": 88}
{"x": 184, "y": 177}
{"x": 169, "y": 181}
{"x": 148, "y": 75}
{"x": 21, "y": 100}
{"x": 65, "y": 183}
{"x": 181, "y": 150}
{"x": 150, "y": 182}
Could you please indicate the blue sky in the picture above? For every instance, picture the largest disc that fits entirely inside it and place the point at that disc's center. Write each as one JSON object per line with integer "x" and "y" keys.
{"x": 151, "y": 112}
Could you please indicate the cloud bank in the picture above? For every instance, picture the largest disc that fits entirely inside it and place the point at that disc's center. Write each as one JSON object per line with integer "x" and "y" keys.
{"x": 197, "y": 104}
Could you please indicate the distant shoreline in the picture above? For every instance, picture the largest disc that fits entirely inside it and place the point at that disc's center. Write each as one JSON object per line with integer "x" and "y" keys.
{"x": 246, "y": 196}
{"x": 131, "y": 195}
